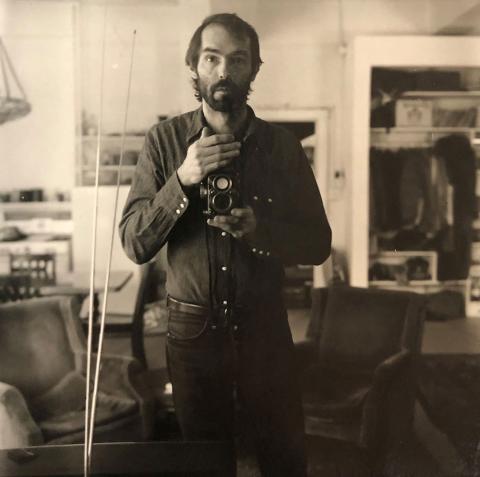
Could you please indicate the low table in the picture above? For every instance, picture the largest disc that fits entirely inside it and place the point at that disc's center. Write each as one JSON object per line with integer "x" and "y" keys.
{"x": 122, "y": 459}
{"x": 78, "y": 284}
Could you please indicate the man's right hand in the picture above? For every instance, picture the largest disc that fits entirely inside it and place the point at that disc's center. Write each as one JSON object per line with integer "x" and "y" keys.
{"x": 209, "y": 153}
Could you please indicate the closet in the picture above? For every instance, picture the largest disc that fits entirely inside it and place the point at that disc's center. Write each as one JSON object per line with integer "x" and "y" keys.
{"x": 415, "y": 151}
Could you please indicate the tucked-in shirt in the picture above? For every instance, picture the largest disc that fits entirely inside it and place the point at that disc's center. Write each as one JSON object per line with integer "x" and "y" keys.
{"x": 205, "y": 265}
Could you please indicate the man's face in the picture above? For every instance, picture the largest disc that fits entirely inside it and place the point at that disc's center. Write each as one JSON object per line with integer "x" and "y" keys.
{"x": 224, "y": 69}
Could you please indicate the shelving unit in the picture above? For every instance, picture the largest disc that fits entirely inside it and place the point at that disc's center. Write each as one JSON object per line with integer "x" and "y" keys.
{"x": 47, "y": 206}
{"x": 47, "y": 227}
{"x": 461, "y": 105}
{"x": 109, "y": 159}
{"x": 54, "y": 212}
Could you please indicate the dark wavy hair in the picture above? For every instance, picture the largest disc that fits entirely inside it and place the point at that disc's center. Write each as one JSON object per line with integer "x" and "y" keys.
{"x": 233, "y": 24}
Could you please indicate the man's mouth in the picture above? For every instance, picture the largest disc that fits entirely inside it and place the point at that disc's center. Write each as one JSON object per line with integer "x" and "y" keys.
{"x": 223, "y": 86}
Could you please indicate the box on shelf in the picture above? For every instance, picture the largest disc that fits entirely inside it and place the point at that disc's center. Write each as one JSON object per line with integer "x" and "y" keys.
{"x": 403, "y": 268}
{"x": 108, "y": 177}
{"x": 472, "y": 299}
{"x": 475, "y": 253}
{"x": 455, "y": 111}
{"x": 414, "y": 112}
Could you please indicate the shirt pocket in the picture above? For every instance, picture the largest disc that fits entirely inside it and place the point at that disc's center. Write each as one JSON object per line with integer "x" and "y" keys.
{"x": 258, "y": 191}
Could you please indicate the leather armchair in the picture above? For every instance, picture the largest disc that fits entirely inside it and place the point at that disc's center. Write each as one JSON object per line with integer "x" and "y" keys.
{"x": 42, "y": 380}
{"x": 358, "y": 365}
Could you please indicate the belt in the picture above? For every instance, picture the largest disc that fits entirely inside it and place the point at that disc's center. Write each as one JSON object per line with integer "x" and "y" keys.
{"x": 221, "y": 317}
{"x": 184, "y": 307}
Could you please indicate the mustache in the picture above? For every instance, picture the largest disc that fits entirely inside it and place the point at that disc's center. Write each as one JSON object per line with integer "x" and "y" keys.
{"x": 224, "y": 84}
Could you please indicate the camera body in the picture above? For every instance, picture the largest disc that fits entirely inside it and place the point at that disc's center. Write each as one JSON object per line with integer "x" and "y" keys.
{"x": 221, "y": 192}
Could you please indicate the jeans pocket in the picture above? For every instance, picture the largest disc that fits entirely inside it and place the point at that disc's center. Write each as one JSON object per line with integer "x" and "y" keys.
{"x": 185, "y": 326}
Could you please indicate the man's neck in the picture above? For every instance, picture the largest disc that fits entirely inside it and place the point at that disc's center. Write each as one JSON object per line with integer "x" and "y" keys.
{"x": 222, "y": 123}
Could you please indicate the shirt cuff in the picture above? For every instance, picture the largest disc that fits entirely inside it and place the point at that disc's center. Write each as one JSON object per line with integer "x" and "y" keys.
{"x": 259, "y": 242}
{"x": 172, "y": 197}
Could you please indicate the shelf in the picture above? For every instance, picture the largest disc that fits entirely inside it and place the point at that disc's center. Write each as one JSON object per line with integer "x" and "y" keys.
{"x": 44, "y": 206}
{"x": 424, "y": 288}
{"x": 441, "y": 94}
{"x": 425, "y": 129}
{"x": 418, "y": 137}
{"x": 108, "y": 167}
{"x": 114, "y": 139}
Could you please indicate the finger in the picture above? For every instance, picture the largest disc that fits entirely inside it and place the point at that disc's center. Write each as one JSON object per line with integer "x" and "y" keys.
{"x": 216, "y": 165}
{"x": 234, "y": 232}
{"x": 226, "y": 220}
{"x": 216, "y": 139}
{"x": 221, "y": 225}
{"x": 220, "y": 157}
{"x": 245, "y": 212}
{"x": 206, "y": 132}
{"x": 219, "y": 148}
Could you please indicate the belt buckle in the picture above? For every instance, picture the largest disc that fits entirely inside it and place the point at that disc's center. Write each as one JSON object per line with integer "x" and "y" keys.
{"x": 227, "y": 314}
{"x": 223, "y": 316}
{"x": 232, "y": 313}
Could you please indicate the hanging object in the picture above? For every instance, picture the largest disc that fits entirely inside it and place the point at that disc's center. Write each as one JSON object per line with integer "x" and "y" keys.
{"x": 11, "y": 107}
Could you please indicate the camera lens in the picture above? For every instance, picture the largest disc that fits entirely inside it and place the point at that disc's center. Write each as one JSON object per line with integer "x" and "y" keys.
{"x": 222, "y": 183}
{"x": 221, "y": 202}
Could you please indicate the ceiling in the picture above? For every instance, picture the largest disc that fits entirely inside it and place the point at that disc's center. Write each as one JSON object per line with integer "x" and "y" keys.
{"x": 462, "y": 18}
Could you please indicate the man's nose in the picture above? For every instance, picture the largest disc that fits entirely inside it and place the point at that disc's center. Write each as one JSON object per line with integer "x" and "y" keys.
{"x": 223, "y": 69}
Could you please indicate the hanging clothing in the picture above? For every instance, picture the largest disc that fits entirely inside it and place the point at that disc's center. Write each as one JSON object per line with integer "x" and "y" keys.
{"x": 424, "y": 192}
{"x": 459, "y": 158}
{"x": 385, "y": 172}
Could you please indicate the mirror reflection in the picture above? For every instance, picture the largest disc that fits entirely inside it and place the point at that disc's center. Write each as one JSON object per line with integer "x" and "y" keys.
{"x": 175, "y": 241}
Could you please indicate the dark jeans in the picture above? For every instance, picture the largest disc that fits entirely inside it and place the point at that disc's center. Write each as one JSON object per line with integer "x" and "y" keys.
{"x": 256, "y": 361}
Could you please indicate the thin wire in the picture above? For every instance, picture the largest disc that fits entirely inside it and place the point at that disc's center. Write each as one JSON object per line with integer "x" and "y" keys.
{"x": 110, "y": 253}
{"x": 13, "y": 72}
{"x": 87, "y": 451}
{"x": 4, "y": 70}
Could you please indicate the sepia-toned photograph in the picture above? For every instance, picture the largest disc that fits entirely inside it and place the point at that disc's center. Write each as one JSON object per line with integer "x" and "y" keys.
{"x": 240, "y": 238}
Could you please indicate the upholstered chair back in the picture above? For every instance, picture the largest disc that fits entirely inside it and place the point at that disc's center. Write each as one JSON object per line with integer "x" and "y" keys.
{"x": 38, "y": 338}
{"x": 362, "y": 327}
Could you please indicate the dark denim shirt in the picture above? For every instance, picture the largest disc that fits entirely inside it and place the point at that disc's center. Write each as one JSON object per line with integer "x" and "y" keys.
{"x": 205, "y": 265}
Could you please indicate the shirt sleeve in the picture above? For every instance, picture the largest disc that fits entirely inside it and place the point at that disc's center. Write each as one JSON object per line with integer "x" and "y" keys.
{"x": 299, "y": 232}
{"x": 154, "y": 205}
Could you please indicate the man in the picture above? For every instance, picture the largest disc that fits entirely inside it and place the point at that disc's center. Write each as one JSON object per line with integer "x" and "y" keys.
{"x": 228, "y": 341}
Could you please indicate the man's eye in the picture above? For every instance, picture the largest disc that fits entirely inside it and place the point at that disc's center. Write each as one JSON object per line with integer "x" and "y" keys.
{"x": 210, "y": 58}
{"x": 238, "y": 60}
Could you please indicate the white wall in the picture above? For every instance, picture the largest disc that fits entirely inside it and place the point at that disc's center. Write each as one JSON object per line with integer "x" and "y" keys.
{"x": 304, "y": 68}
{"x": 38, "y": 150}
{"x": 156, "y": 67}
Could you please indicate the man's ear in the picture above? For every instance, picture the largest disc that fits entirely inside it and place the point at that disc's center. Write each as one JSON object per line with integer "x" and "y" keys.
{"x": 193, "y": 73}
{"x": 254, "y": 73}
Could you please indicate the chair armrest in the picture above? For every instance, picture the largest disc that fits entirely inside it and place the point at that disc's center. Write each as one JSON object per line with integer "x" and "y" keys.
{"x": 389, "y": 404}
{"x": 306, "y": 353}
{"x": 17, "y": 427}
{"x": 117, "y": 373}
{"x": 390, "y": 366}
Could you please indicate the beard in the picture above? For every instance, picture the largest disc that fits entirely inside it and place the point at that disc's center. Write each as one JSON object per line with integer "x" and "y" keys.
{"x": 224, "y": 96}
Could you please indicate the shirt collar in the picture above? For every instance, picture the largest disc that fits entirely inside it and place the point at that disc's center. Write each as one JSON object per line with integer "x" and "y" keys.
{"x": 255, "y": 129}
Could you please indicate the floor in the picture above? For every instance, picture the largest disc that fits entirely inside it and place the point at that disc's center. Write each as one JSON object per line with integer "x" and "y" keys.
{"x": 438, "y": 457}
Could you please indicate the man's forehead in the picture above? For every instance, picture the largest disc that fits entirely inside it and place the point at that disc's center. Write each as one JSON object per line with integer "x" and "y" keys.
{"x": 217, "y": 37}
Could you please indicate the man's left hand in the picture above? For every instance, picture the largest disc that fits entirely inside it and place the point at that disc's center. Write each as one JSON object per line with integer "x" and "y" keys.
{"x": 241, "y": 222}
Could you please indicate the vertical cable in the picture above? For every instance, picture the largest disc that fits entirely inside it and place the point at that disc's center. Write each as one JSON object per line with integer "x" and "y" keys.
{"x": 87, "y": 453}
{"x": 110, "y": 253}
